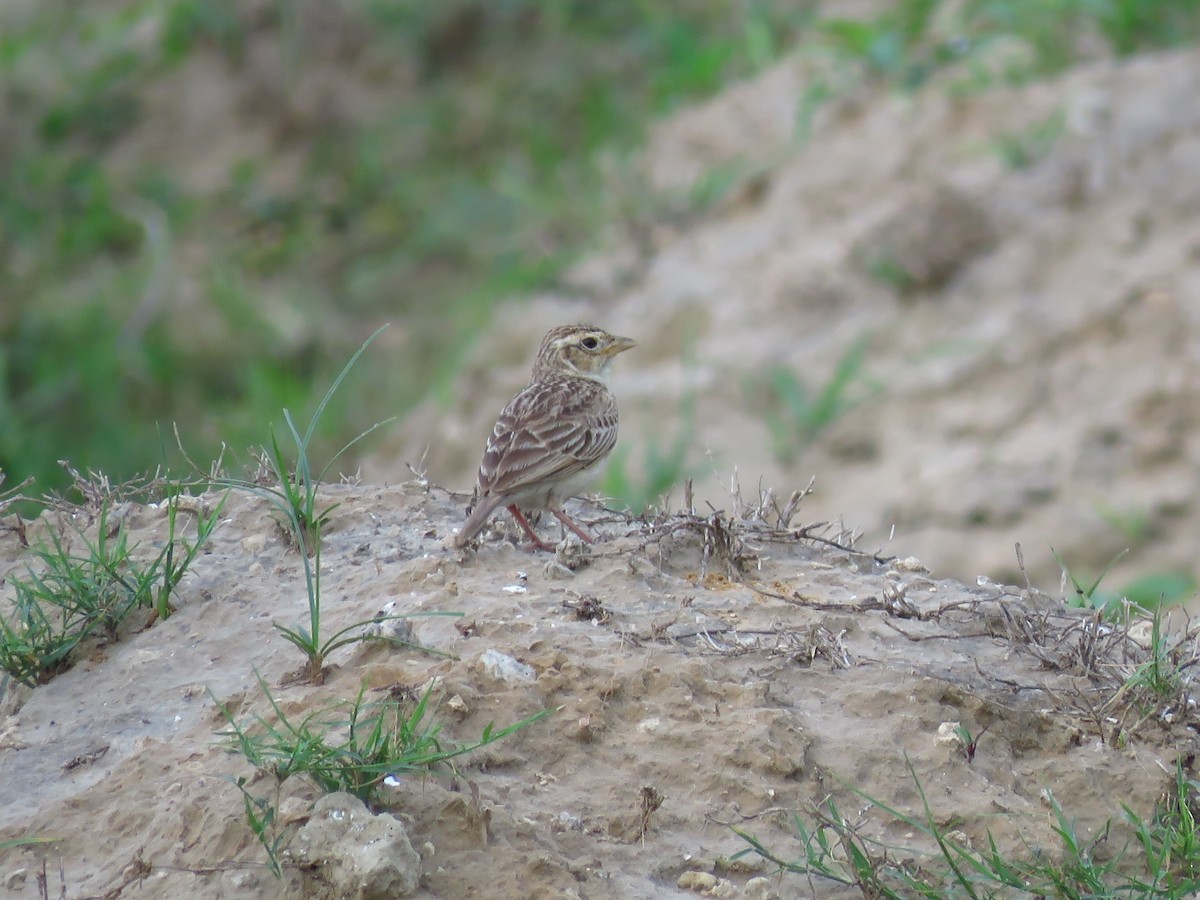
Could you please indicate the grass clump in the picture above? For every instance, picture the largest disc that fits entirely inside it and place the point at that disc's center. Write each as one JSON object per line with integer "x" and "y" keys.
{"x": 68, "y": 595}
{"x": 291, "y": 487}
{"x": 349, "y": 746}
{"x": 1150, "y": 592}
{"x": 1160, "y": 861}
{"x": 36, "y": 640}
{"x": 1161, "y": 675}
{"x": 1157, "y": 682}
{"x": 317, "y": 647}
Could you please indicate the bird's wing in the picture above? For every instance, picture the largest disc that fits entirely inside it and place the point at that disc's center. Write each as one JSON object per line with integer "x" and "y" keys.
{"x": 549, "y": 432}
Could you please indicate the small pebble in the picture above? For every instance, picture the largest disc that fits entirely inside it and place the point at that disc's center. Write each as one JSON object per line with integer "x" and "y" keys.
{"x": 697, "y": 881}
{"x": 15, "y": 879}
{"x": 254, "y": 543}
{"x": 947, "y": 735}
{"x": 500, "y": 665}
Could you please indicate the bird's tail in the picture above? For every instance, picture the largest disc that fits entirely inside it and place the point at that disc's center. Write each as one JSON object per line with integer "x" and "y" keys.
{"x": 476, "y": 520}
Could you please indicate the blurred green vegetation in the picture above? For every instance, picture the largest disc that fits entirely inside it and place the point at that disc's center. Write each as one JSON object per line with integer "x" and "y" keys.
{"x": 450, "y": 161}
{"x": 359, "y": 163}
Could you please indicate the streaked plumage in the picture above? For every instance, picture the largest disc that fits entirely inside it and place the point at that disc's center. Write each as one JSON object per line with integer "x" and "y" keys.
{"x": 552, "y": 438}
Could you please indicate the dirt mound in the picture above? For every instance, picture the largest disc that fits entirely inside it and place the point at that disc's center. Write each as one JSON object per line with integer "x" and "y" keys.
{"x": 706, "y": 672}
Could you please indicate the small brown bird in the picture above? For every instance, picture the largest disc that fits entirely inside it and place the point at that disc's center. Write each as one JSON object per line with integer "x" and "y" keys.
{"x": 553, "y": 437}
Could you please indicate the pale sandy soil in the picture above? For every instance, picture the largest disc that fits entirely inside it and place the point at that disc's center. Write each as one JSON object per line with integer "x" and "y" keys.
{"x": 740, "y": 671}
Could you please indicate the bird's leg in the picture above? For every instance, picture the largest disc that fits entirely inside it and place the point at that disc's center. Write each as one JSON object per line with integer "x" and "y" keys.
{"x": 536, "y": 543}
{"x": 566, "y": 520}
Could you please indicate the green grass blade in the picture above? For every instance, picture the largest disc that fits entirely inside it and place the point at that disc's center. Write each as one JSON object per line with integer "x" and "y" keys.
{"x": 337, "y": 383}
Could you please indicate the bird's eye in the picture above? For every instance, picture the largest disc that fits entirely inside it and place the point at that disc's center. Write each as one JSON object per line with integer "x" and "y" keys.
{"x": 590, "y": 343}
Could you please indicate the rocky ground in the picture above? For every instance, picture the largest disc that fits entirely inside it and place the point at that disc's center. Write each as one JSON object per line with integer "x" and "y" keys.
{"x": 706, "y": 673}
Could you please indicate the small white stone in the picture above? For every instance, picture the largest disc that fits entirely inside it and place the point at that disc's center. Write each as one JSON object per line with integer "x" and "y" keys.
{"x": 15, "y": 879}
{"x": 947, "y": 735}
{"x": 254, "y": 543}
{"x": 568, "y": 821}
{"x": 500, "y": 665}
{"x": 958, "y": 837}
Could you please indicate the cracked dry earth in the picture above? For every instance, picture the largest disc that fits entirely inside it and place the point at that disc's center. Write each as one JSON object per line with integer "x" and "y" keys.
{"x": 705, "y": 672}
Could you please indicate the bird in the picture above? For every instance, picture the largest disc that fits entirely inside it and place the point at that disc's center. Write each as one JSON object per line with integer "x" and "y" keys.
{"x": 552, "y": 439}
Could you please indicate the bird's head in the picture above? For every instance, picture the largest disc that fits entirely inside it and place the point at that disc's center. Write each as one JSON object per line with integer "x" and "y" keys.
{"x": 580, "y": 350}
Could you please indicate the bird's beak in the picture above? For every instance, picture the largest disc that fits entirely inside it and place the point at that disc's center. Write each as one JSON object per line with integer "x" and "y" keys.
{"x": 620, "y": 345}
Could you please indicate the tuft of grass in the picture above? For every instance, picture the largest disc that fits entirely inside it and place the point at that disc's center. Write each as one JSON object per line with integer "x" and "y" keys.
{"x": 1161, "y": 675}
{"x": 969, "y": 741}
{"x": 1161, "y": 862}
{"x": 1170, "y": 840}
{"x": 157, "y": 581}
{"x": 349, "y": 746}
{"x": 317, "y": 648}
{"x": 1085, "y": 594}
{"x": 1150, "y": 592}
{"x": 262, "y": 815}
{"x": 36, "y": 640}
{"x": 68, "y": 596}
{"x": 292, "y": 488}
{"x": 832, "y": 850}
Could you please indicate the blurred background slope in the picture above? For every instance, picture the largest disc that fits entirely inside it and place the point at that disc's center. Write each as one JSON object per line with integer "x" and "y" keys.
{"x": 206, "y": 205}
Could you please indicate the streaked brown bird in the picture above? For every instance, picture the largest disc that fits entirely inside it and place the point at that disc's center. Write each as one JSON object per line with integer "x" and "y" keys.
{"x": 552, "y": 439}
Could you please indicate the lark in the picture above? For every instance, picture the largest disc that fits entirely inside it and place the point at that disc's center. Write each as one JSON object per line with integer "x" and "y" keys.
{"x": 552, "y": 439}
